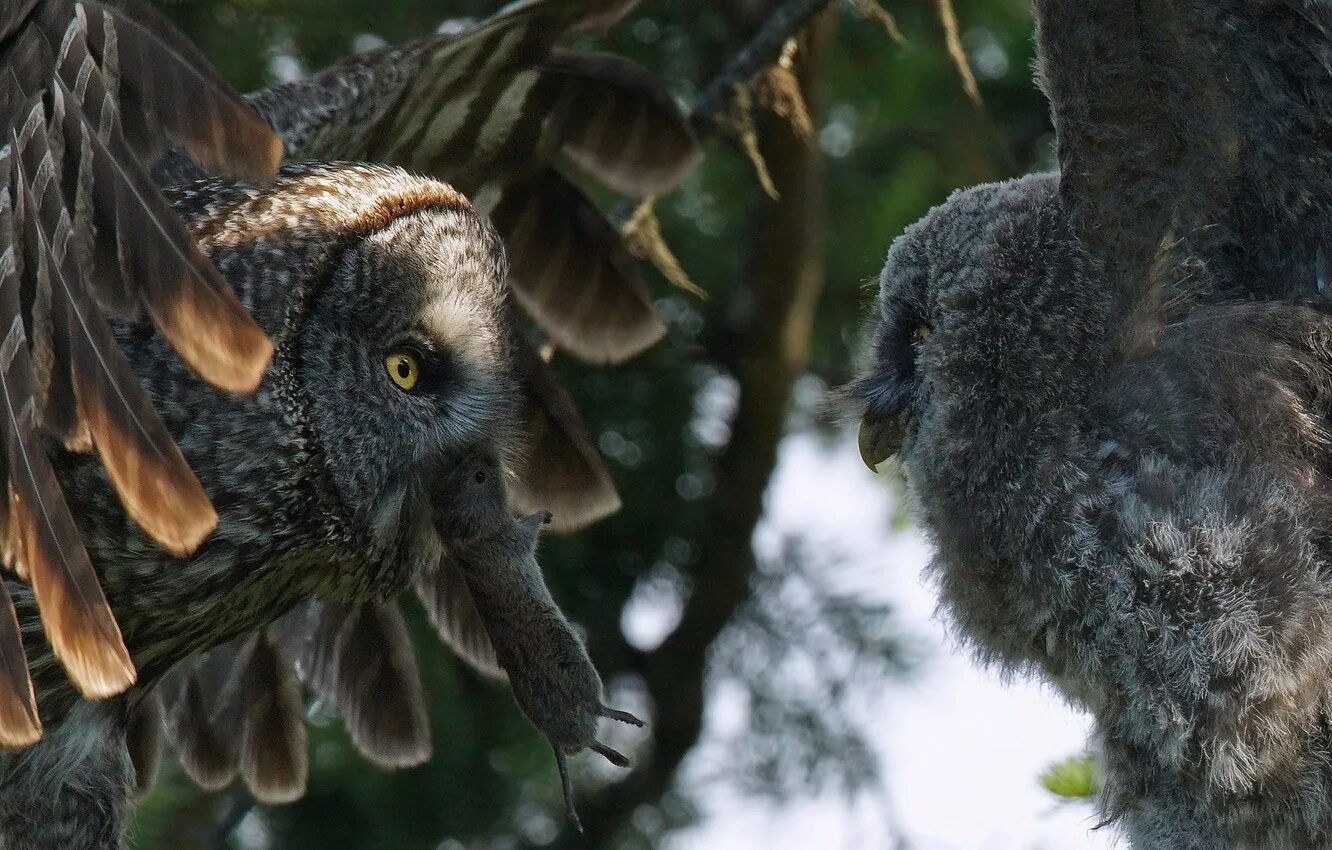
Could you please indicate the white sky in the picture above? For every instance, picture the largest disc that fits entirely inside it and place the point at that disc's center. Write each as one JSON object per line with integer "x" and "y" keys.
{"x": 960, "y": 749}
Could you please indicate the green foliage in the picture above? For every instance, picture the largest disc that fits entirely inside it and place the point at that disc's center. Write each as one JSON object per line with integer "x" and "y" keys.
{"x": 1074, "y": 778}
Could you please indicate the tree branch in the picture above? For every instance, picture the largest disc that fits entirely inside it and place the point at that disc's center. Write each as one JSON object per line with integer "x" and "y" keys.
{"x": 760, "y": 52}
{"x": 783, "y": 283}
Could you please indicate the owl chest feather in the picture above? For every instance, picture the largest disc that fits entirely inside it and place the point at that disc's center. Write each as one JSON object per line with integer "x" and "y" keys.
{"x": 282, "y": 534}
{"x": 261, "y": 560}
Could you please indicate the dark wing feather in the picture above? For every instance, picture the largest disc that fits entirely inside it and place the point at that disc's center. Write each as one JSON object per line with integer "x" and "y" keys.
{"x": 144, "y": 465}
{"x": 273, "y": 760}
{"x": 378, "y": 691}
{"x": 570, "y": 269}
{"x": 41, "y": 541}
{"x": 20, "y": 724}
{"x": 168, "y": 84}
{"x": 13, "y": 15}
{"x": 1193, "y": 135}
{"x": 452, "y": 611}
{"x": 359, "y": 660}
{"x": 622, "y": 126}
{"x": 144, "y": 740}
{"x": 203, "y": 716}
{"x": 190, "y": 303}
{"x": 561, "y": 470}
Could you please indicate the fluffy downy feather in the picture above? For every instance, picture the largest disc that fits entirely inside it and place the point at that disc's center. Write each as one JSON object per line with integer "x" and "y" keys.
{"x": 1111, "y": 391}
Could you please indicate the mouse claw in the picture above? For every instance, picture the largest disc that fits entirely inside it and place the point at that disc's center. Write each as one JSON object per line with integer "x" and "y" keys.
{"x": 615, "y": 757}
{"x": 622, "y": 716}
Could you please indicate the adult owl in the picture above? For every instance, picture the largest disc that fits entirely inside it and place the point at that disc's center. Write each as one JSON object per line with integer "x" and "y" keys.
{"x": 405, "y": 421}
{"x": 547, "y": 114}
{"x": 1111, "y": 393}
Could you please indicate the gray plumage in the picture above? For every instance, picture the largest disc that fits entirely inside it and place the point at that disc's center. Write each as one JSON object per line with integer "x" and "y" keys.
{"x": 1111, "y": 392}
{"x": 328, "y": 479}
{"x": 507, "y": 117}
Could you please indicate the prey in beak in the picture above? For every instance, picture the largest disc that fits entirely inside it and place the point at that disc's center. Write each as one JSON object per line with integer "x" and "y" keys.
{"x": 554, "y": 681}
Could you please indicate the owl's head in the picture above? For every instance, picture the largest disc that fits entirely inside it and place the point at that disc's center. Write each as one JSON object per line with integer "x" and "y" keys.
{"x": 398, "y": 358}
{"x": 405, "y": 358}
{"x": 970, "y": 304}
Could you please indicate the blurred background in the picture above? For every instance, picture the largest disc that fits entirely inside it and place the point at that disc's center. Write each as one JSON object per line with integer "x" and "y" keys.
{"x": 760, "y": 597}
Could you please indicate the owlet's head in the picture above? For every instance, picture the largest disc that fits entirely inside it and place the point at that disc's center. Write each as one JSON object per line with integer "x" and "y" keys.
{"x": 971, "y": 300}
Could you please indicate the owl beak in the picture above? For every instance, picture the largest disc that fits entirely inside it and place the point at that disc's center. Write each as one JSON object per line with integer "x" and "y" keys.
{"x": 880, "y": 439}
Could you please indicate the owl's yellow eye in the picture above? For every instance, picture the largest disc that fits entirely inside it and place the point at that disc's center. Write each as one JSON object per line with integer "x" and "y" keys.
{"x": 922, "y": 333}
{"x": 403, "y": 368}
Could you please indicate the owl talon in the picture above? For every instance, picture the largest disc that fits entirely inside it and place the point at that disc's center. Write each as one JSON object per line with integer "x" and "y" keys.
{"x": 622, "y": 716}
{"x": 566, "y": 784}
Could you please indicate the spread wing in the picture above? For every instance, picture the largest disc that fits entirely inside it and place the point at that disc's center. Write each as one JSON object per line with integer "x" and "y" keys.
{"x": 90, "y": 93}
{"x": 496, "y": 110}
{"x": 237, "y": 710}
{"x": 1195, "y": 152}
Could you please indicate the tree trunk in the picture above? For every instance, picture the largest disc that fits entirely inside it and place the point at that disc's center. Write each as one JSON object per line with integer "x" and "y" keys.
{"x": 769, "y": 320}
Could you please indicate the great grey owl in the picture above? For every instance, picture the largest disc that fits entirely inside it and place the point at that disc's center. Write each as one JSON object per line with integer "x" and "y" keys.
{"x": 614, "y": 122}
{"x": 404, "y": 422}
{"x": 1111, "y": 393}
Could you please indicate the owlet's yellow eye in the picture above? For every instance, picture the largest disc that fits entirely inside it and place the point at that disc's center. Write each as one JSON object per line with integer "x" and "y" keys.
{"x": 403, "y": 368}
{"x": 922, "y": 333}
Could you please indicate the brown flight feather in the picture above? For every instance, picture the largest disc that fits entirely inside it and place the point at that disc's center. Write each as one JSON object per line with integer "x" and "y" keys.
{"x": 42, "y": 540}
{"x": 561, "y": 470}
{"x": 273, "y": 760}
{"x": 571, "y": 271}
{"x": 167, "y": 81}
{"x": 20, "y": 724}
{"x": 154, "y": 483}
{"x": 622, "y": 126}
{"x": 193, "y": 307}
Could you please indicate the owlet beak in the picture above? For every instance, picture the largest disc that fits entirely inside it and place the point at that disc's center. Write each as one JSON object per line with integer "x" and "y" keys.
{"x": 879, "y": 440}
